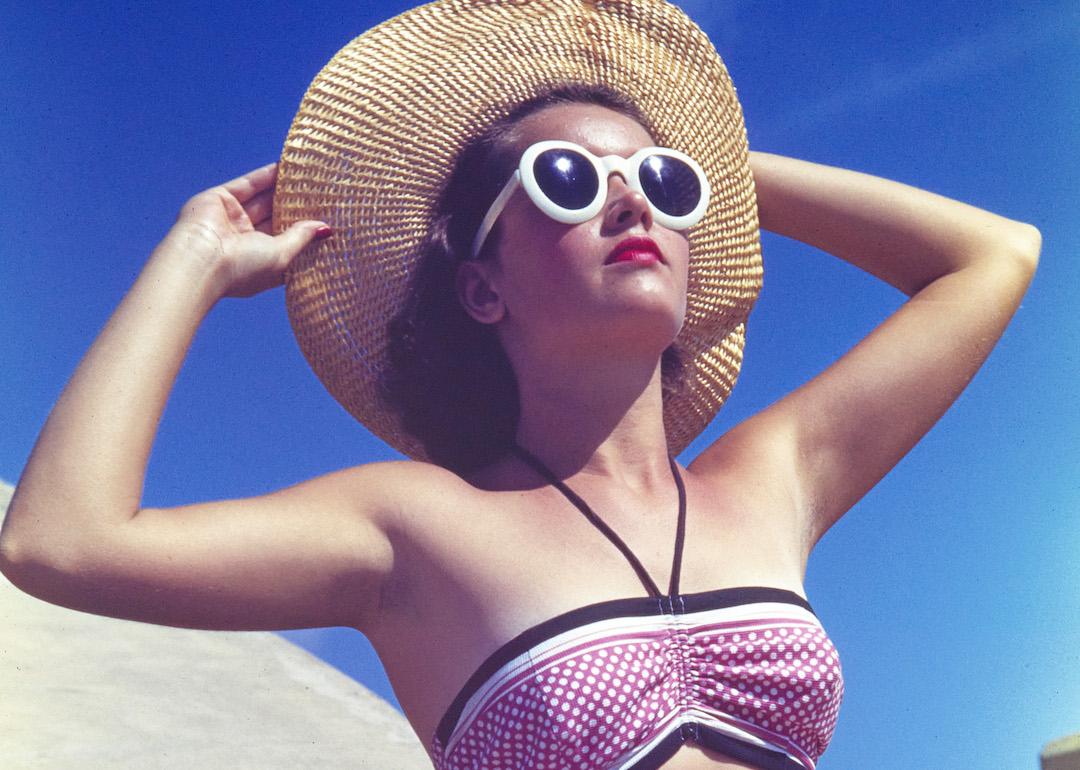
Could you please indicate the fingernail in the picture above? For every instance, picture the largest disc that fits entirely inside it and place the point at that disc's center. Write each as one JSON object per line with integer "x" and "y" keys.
{"x": 323, "y": 232}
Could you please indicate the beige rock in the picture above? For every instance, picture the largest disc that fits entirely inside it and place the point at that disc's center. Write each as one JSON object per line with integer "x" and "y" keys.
{"x": 81, "y": 691}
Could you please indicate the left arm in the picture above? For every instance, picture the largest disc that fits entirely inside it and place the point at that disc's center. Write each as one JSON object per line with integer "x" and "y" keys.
{"x": 965, "y": 271}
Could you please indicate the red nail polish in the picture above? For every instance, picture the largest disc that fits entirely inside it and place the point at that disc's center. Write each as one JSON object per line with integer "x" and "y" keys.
{"x": 323, "y": 232}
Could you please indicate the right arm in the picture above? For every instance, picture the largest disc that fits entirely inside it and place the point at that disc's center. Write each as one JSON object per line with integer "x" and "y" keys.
{"x": 311, "y": 555}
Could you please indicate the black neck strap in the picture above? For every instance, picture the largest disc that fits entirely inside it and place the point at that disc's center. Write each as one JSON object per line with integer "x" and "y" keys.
{"x": 680, "y": 531}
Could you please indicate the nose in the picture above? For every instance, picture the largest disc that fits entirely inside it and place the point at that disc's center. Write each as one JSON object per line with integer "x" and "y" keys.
{"x": 625, "y": 207}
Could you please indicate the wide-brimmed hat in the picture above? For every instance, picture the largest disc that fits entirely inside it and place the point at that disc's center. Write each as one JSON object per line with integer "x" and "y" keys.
{"x": 380, "y": 128}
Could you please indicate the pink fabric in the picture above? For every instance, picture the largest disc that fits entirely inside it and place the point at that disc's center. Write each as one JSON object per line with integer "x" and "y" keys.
{"x": 607, "y": 693}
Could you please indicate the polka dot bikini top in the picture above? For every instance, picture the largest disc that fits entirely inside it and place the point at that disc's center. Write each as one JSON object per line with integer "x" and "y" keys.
{"x": 748, "y": 672}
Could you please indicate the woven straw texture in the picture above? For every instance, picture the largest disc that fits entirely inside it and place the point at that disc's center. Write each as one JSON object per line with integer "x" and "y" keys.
{"x": 380, "y": 128}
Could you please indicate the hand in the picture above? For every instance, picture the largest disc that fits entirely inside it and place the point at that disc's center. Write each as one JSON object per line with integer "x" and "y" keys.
{"x": 227, "y": 229}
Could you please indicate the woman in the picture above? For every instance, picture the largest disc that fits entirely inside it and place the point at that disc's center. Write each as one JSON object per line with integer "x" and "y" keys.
{"x": 584, "y": 313}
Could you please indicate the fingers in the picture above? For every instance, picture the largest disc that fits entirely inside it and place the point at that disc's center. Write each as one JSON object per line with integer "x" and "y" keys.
{"x": 246, "y": 187}
{"x": 260, "y": 208}
{"x": 299, "y": 235}
{"x": 261, "y": 262}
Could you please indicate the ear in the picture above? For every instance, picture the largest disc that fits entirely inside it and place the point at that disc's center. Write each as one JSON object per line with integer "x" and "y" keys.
{"x": 477, "y": 292}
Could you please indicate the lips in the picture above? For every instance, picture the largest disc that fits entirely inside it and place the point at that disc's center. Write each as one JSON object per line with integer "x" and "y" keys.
{"x": 636, "y": 250}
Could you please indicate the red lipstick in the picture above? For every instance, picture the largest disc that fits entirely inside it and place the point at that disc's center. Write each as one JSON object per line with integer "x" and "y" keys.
{"x": 639, "y": 250}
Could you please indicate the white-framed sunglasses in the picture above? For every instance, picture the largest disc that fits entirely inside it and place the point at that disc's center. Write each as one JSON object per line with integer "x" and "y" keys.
{"x": 569, "y": 184}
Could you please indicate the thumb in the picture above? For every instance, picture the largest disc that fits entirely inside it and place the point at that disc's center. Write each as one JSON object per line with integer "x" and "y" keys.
{"x": 299, "y": 235}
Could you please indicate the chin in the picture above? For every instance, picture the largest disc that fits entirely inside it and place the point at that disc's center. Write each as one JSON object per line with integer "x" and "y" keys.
{"x": 650, "y": 290}
{"x": 643, "y": 325}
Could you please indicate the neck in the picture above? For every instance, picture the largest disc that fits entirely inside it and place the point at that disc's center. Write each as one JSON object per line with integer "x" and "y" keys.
{"x": 605, "y": 418}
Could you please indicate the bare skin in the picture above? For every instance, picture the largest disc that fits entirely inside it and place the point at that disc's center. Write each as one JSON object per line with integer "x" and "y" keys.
{"x": 399, "y": 549}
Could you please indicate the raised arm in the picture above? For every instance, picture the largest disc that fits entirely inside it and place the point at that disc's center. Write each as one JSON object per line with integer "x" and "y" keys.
{"x": 75, "y": 534}
{"x": 965, "y": 271}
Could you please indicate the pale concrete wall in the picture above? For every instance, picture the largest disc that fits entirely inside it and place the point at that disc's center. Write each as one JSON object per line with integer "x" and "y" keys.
{"x": 81, "y": 691}
{"x": 1062, "y": 754}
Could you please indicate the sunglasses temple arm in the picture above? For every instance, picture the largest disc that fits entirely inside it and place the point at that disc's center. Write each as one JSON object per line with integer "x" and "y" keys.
{"x": 493, "y": 213}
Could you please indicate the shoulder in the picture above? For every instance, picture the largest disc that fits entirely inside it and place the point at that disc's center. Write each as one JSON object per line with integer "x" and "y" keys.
{"x": 754, "y": 470}
{"x": 758, "y": 452}
{"x": 390, "y": 491}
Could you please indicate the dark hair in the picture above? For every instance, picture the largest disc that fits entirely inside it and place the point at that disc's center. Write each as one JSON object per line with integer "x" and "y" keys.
{"x": 448, "y": 376}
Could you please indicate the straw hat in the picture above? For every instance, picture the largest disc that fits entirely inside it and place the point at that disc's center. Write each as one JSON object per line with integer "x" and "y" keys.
{"x": 381, "y": 126}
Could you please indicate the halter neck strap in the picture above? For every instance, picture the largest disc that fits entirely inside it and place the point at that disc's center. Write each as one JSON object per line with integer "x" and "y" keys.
{"x": 680, "y": 531}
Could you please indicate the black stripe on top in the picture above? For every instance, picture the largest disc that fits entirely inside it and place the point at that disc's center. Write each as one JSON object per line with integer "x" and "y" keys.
{"x": 636, "y": 607}
{"x": 758, "y": 756}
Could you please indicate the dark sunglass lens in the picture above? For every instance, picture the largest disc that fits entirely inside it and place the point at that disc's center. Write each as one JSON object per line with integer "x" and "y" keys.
{"x": 670, "y": 185}
{"x": 566, "y": 177}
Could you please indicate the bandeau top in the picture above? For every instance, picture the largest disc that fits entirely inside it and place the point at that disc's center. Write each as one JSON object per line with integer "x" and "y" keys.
{"x": 748, "y": 672}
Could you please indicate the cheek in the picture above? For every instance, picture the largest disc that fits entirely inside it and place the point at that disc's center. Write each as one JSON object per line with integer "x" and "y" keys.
{"x": 680, "y": 262}
{"x": 677, "y": 249}
{"x": 535, "y": 248}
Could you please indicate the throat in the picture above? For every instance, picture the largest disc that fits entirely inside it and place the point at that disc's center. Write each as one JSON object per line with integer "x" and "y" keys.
{"x": 609, "y": 426}
{"x": 578, "y": 502}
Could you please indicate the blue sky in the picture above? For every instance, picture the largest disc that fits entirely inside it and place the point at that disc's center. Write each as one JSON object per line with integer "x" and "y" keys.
{"x": 952, "y": 590}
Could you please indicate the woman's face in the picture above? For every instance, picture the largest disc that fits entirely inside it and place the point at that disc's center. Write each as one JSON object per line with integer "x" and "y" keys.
{"x": 559, "y": 282}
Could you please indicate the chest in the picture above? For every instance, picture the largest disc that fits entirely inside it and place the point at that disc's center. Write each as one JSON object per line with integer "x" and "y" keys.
{"x": 542, "y": 544}
{"x": 506, "y": 567}
{"x": 635, "y": 678}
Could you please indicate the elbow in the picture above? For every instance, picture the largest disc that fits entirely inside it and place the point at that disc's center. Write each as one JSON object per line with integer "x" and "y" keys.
{"x": 16, "y": 564}
{"x": 9, "y": 559}
{"x": 12, "y": 556}
{"x": 1023, "y": 246}
{"x": 43, "y": 575}
{"x": 17, "y": 570}
{"x": 1010, "y": 258}
{"x": 36, "y": 578}
{"x": 31, "y": 561}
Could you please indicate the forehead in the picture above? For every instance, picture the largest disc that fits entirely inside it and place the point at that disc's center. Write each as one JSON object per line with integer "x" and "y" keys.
{"x": 600, "y": 130}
